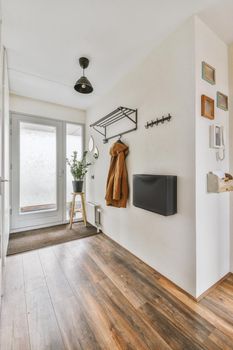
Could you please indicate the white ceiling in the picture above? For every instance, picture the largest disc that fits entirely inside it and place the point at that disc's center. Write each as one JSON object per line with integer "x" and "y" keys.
{"x": 45, "y": 38}
{"x": 219, "y": 17}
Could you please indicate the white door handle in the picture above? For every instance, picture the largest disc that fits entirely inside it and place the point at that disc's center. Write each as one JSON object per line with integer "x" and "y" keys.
{"x": 3, "y": 180}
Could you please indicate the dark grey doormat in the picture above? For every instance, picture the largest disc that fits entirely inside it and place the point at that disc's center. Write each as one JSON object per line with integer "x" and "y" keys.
{"x": 44, "y": 237}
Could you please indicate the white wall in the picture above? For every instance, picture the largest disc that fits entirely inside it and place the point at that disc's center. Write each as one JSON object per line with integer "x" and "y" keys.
{"x": 40, "y": 108}
{"x": 212, "y": 210}
{"x": 231, "y": 146}
{"x": 163, "y": 83}
{"x": 191, "y": 248}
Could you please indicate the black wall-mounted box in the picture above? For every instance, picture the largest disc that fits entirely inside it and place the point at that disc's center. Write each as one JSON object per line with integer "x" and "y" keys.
{"x": 156, "y": 193}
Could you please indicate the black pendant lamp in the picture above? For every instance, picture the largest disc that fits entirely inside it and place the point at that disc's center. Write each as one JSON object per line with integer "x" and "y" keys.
{"x": 83, "y": 85}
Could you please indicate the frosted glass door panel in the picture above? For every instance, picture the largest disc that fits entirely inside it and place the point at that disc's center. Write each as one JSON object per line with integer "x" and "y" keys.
{"x": 38, "y": 168}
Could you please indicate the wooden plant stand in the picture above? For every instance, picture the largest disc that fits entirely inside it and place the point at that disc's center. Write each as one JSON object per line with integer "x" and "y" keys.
{"x": 73, "y": 210}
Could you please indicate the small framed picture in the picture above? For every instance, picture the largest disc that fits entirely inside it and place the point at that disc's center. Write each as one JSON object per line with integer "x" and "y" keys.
{"x": 222, "y": 101}
{"x": 216, "y": 136}
{"x": 208, "y": 73}
{"x": 207, "y": 107}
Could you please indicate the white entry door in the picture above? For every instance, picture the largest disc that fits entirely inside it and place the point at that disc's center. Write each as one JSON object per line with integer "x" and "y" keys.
{"x": 37, "y": 172}
{"x": 4, "y": 161}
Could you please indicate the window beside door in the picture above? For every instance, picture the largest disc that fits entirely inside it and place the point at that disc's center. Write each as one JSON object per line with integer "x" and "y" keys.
{"x": 74, "y": 142}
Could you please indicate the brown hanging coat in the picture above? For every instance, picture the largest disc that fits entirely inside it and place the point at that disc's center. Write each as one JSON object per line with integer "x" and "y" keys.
{"x": 117, "y": 189}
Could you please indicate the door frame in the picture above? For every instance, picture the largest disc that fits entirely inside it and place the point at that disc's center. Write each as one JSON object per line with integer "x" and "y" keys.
{"x": 16, "y": 117}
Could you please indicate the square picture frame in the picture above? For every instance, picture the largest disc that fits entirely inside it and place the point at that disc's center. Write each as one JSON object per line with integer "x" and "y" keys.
{"x": 222, "y": 101}
{"x": 208, "y": 73}
{"x": 207, "y": 107}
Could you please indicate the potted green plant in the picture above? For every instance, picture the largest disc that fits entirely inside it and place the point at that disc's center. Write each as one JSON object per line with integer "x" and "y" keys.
{"x": 78, "y": 169}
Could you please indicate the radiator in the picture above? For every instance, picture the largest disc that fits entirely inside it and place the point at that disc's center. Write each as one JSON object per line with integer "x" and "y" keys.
{"x": 94, "y": 215}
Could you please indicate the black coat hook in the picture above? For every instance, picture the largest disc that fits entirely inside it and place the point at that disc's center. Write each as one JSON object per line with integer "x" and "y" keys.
{"x": 158, "y": 121}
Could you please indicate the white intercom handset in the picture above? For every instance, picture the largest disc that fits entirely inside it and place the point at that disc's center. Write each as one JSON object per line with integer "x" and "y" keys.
{"x": 217, "y": 140}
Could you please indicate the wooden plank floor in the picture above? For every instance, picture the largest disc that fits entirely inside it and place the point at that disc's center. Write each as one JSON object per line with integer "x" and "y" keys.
{"x": 93, "y": 294}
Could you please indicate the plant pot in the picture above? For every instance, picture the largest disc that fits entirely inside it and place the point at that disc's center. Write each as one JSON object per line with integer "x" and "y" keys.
{"x": 77, "y": 186}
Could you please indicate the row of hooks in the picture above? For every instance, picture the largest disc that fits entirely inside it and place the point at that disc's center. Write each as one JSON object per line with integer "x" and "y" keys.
{"x": 158, "y": 121}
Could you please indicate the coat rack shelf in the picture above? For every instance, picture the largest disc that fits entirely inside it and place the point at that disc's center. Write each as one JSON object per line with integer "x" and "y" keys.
{"x": 102, "y": 125}
{"x": 158, "y": 121}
